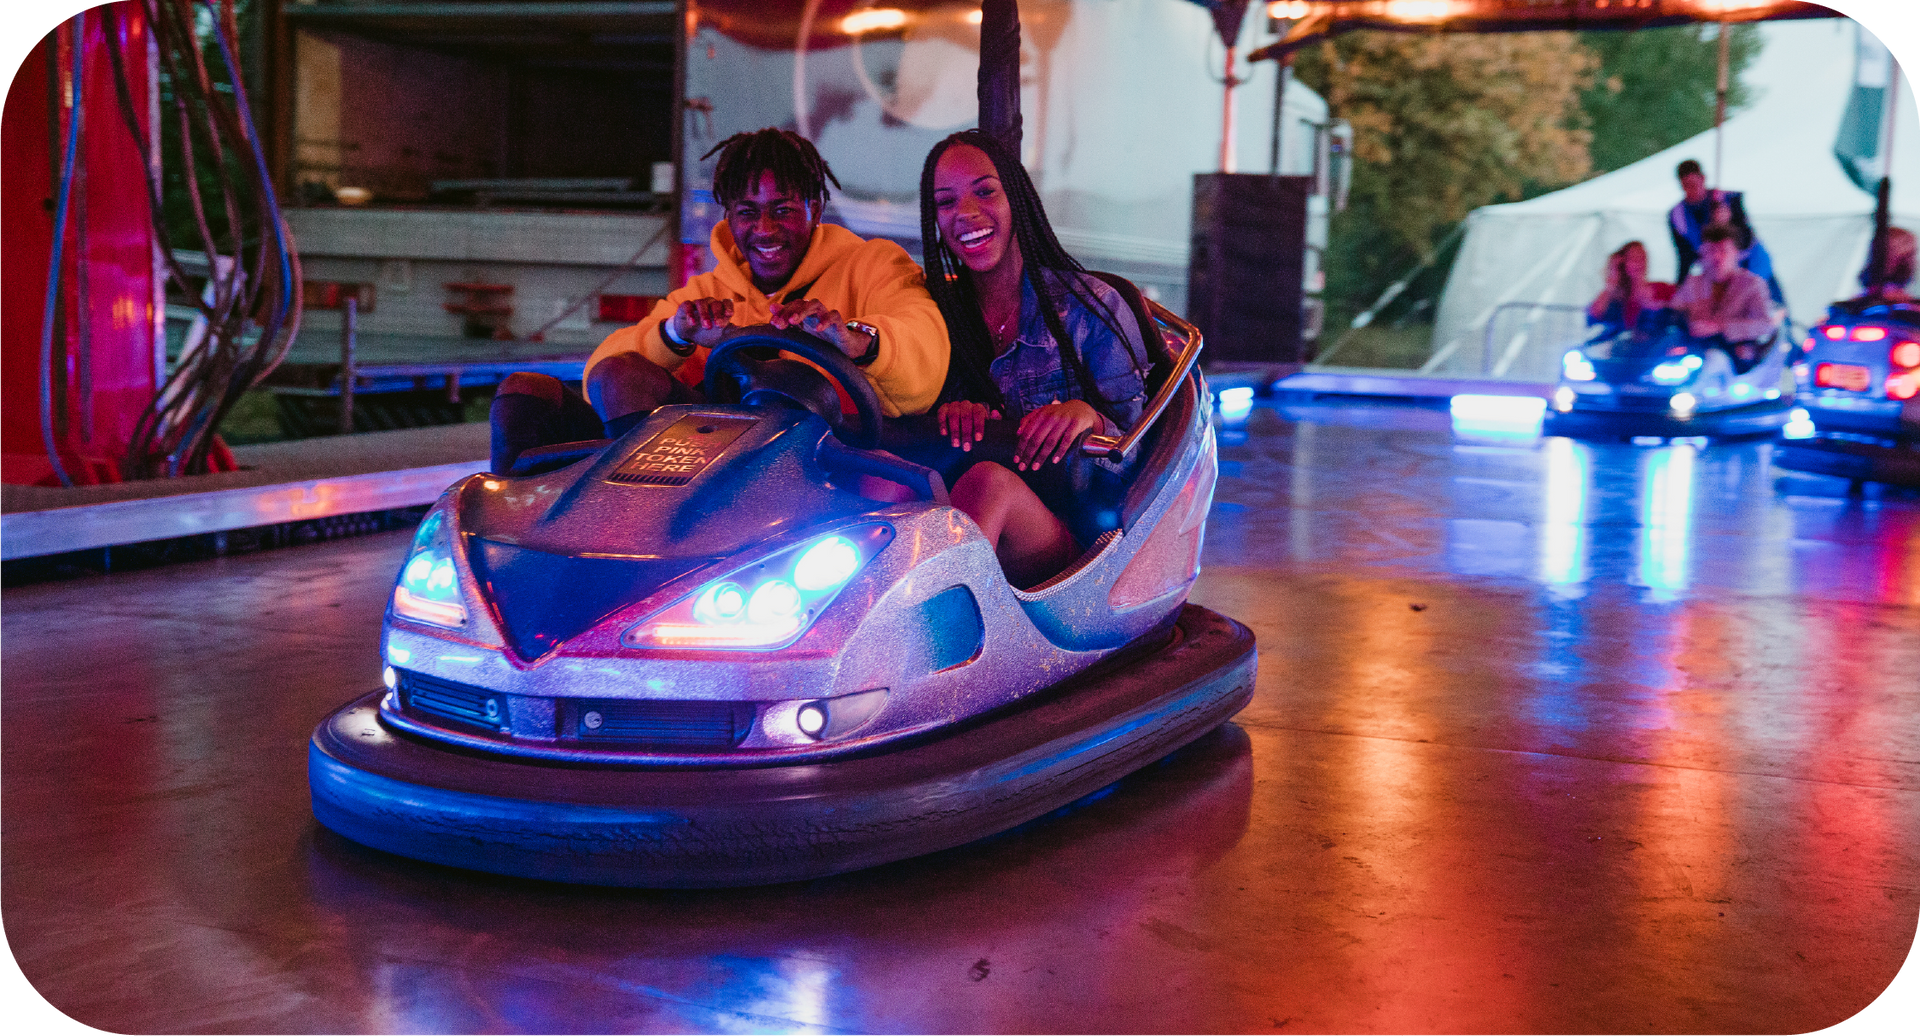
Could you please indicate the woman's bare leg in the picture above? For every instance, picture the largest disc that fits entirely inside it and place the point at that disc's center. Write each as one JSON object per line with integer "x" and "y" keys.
{"x": 1032, "y": 543}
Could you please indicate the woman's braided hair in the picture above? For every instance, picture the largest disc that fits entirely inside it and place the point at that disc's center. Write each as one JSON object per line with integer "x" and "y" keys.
{"x": 1047, "y": 268}
{"x": 795, "y": 163}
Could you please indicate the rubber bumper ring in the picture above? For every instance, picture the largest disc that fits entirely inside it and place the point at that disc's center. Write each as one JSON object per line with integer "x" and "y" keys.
{"x": 679, "y": 828}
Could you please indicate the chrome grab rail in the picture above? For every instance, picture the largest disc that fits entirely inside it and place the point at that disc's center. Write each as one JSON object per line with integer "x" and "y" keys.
{"x": 1525, "y": 333}
{"x": 1120, "y": 446}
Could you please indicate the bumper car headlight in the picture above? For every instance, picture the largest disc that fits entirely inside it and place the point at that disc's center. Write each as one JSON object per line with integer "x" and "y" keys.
{"x": 1576, "y": 367}
{"x": 767, "y": 604}
{"x": 429, "y": 586}
{"x": 1676, "y": 372}
{"x": 1799, "y": 425}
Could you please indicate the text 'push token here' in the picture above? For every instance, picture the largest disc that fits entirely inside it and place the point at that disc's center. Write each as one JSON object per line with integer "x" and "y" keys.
{"x": 684, "y": 450}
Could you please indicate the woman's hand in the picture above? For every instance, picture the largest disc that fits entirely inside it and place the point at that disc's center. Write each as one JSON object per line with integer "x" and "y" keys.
{"x": 1049, "y": 432}
{"x": 965, "y": 423}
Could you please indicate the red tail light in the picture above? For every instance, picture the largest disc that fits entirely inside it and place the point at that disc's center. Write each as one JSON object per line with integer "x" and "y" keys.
{"x": 1904, "y": 386}
{"x": 1906, "y": 354}
{"x": 1869, "y": 334}
{"x": 1842, "y": 376}
{"x": 1835, "y": 334}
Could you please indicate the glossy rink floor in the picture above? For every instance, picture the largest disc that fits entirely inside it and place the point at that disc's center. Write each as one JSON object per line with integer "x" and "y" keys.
{"x": 1547, "y": 737}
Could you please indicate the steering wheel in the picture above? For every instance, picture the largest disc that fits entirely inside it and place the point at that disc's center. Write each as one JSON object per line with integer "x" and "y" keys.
{"x": 729, "y": 366}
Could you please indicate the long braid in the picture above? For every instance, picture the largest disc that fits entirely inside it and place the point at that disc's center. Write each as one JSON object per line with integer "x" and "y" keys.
{"x": 1048, "y": 268}
{"x": 795, "y": 163}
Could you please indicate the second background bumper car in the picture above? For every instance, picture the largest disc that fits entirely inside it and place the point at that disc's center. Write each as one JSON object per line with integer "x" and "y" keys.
{"x": 1859, "y": 405}
{"x": 1661, "y": 383}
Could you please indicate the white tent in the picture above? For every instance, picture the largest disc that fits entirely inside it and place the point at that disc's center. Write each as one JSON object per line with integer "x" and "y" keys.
{"x": 1552, "y": 250}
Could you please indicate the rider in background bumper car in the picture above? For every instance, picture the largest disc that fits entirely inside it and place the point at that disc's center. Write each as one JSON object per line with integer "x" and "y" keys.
{"x": 1629, "y": 302}
{"x": 1701, "y": 208}
{"x": 1724, "y": 306}
{"x": 1886, "y": 280}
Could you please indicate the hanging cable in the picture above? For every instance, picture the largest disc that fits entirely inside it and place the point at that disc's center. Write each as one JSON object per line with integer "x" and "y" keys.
{"x": 251, "y": 305}
{"x": 64, "y": 194}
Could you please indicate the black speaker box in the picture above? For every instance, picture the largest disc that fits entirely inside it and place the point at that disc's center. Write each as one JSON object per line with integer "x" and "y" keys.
{"x": 1248, "y": 260}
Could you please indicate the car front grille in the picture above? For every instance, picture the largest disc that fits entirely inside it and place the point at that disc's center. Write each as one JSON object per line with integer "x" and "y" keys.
{"x": 449, "y": 699}
{"x": 668, "y": 724}
{"x": 612, "y": 723}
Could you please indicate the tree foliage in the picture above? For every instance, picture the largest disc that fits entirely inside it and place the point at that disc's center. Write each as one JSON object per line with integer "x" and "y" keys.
{"x": 1446, "y": 123}
{"x": 1442, "y": 125}
{"x": 1656, "y": 87}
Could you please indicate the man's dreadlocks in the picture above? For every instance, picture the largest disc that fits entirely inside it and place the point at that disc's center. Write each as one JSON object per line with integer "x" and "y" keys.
{"x": 792, "y": 159}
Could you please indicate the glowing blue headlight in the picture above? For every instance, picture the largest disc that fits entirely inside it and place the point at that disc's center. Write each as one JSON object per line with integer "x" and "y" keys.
{"x": 429, "y": 586}
{"x": 768, "y": 604}
{"x": 826, "y": 564}
{"x": 1236, "y": 403}
{"x": 1675, "y": 372}
{"x": 722, "y": 602}
{"x": 776, "y": 601}
{"x": 1799, "y": 425}
{"x": 1576, "y": 367}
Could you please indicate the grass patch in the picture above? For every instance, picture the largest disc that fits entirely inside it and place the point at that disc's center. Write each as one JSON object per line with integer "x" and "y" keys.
{"x": 1386, "y": 346}
{"x": 254, "y": 418}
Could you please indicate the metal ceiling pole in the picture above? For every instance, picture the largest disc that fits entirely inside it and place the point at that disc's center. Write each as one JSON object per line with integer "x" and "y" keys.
{"x": 1226, "y": 116}
{"x": 1720, "y": 110}
{"x": 1228, "y": 16}
{"x": 801, "y": 116}
{"x": 998, "y": 81}
{"x": 1878, "y": 255}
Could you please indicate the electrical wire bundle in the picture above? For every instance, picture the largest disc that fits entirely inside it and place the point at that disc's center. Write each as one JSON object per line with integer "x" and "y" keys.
{"x": 251, "y": 303}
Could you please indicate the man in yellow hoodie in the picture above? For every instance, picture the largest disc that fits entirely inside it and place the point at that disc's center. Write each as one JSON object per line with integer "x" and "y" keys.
{"x": 776, "y": 263}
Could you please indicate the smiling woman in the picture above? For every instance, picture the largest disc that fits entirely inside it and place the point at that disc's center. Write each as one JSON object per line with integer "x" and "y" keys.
{"x": 1035, "y": 339}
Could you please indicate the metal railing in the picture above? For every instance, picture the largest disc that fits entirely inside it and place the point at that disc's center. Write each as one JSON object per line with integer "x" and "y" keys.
{"x": 1518, "y": 330}
{"x": 1120, "y": 446}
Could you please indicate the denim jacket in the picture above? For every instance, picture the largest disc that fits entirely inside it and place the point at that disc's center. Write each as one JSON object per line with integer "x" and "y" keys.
{"x": 1030, "y": 373}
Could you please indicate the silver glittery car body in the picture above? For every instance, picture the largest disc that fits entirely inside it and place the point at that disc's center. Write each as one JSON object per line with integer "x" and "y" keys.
{"x": 723, "y": 650}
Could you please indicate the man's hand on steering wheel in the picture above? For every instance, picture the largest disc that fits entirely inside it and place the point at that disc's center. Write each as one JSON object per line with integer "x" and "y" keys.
{"x": 702, "y": 322}
{"x": 813, "y": 317}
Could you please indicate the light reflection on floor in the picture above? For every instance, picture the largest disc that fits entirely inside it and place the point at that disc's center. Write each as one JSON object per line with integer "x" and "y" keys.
{"x": 1548, "y": 736}
{"x": 1396, "y": 482}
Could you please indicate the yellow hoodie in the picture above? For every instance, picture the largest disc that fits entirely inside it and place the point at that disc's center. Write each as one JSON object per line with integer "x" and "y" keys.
{"x": 875, "y": 282}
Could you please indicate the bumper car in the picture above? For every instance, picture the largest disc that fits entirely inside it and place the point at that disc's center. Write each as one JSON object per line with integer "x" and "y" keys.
{"x": 1663, "y": 383}
{"x": 699, "y": 655}
{"x": 1859, "y": 402}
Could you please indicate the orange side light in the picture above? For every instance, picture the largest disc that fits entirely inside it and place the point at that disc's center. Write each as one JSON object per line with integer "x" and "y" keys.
{"x": 440, "y": 613}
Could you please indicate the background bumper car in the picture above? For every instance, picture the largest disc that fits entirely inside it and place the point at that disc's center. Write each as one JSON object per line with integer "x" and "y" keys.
{"x": 1859, "y": 404}
{"x": 1665, "y": 384}
{"x": 699, "y": 656}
